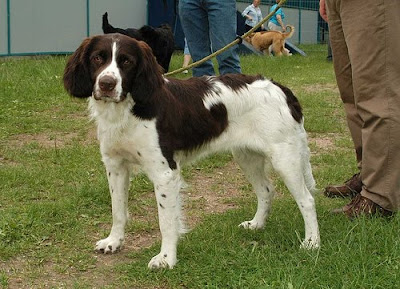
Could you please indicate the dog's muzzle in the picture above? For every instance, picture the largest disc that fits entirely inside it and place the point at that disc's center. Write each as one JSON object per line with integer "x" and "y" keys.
{"x": 107, "y": 83}
{"x": 106, "y": 89}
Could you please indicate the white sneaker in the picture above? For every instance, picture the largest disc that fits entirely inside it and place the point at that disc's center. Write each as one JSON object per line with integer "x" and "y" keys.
{"x": 185, "y": 71}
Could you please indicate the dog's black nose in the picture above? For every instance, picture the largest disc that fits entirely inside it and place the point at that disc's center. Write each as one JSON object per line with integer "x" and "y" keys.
{"x": 107, "y": 83}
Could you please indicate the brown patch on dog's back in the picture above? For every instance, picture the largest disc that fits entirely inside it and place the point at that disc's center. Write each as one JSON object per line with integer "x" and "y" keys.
{"x": 238, "y": 81}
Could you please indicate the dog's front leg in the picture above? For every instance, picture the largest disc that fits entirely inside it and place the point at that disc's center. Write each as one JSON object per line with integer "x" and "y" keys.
{"x": 167, "y": 185}
{"x": 118, "y": 181}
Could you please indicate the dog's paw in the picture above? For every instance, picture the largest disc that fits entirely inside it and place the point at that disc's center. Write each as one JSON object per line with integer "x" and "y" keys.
{"x": 109, "y": 245}
{"x": 161, "y": 261}
{"x": 251, "y": 225}
{"x": 310, "y": 244}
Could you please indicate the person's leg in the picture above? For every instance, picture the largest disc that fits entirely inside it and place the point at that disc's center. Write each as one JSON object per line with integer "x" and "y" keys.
{"x": 369, "y": 31}
{"x": 222, "y": 23}
{"x": 247, "y": 27}
{"x": 194, "y": 19}
{"x": 376, "y": 80}
{"x": 343, "y": 72}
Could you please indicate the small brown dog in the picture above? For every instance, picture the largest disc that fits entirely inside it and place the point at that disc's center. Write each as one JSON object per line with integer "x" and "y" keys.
{"x": 276, "y": 39}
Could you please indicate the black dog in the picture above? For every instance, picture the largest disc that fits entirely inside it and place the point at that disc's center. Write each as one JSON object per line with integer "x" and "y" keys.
{"x": 161, "y": 39}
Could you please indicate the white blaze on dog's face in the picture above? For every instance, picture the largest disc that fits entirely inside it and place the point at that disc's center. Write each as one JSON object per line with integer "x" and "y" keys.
{"x": 108, "y": 84}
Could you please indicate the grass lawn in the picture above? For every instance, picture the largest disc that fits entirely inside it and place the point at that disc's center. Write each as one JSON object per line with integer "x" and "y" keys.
{"x": 55, "y": 204}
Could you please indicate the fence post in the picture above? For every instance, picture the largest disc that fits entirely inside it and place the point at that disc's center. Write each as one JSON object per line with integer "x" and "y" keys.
{"x": 8, "y": 28}
{"x": 300, "y": 6}
{"x": 87, "y": 18}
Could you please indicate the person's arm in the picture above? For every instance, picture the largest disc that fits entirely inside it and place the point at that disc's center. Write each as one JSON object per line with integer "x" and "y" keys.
{"x": 245, "y": 13}
{"x": 279, "y": 19}
{"x": 322, "y": 10}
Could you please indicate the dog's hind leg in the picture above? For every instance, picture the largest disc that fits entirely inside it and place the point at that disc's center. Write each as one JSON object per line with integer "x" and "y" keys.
{"x": 256, "y": 171}
{"x": 167, "y": 184}
{"x": 288, "y": 162}
{"x": 276, "y": 48}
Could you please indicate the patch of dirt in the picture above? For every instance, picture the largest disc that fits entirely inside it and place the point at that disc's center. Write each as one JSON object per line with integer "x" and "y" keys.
{"x": 53, "y": 140}
{"x": 318, "y": 87}
{"x": 4, "y": 161}
{"x": 324, "y": 142}
{"x": 44, "y": 140}
{"x": 213, "y": 193}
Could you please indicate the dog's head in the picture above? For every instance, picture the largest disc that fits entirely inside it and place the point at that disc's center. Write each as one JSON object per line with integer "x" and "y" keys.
{"x": 110, "y": 67}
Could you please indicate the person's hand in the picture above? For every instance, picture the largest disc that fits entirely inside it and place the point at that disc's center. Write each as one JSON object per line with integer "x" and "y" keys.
{"x": 322, "y": 10}
{"x": 249, "y": 17}
{"x": 284, "y": 28}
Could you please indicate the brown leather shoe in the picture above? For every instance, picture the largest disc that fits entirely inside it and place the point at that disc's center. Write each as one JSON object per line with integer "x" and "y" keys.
{"x": 349, "y": 189}
{"x": 360, "y": 205}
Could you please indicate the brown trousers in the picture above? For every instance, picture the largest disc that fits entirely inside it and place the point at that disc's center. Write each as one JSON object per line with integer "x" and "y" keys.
{"x": 365, "y": 40}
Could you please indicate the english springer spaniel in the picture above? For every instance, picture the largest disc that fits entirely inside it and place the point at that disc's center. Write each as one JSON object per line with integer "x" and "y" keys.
{"x": 157, "y": 124}
{"x": 160, "y": 39}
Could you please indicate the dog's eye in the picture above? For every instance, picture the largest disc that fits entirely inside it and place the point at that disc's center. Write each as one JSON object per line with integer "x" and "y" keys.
{"x": 97, "y": 59}
{"x": 126, "y": 62}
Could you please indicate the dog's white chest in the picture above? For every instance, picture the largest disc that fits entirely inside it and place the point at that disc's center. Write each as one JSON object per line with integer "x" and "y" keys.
{"x": 121, "y": 134}
{"x": 131, "y": 143}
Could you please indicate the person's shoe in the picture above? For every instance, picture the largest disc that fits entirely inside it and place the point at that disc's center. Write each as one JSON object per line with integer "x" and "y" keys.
{"x": 349, "y": 189}
{"x": 185, "y": 71}
{"x": 360, "y": 205}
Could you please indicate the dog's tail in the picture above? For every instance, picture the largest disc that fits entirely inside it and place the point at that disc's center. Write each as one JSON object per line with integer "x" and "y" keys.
{"x": 288, "y": 34}
{"x": 107, "y": 28}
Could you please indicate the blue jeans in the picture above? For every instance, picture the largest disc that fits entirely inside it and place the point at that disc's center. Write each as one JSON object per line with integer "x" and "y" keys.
{"x": 209, "y": 25}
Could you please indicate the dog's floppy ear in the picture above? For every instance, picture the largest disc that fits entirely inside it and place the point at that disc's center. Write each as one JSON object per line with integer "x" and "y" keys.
{"x": 148, "y": 77}
{"x": 77, "y": 79}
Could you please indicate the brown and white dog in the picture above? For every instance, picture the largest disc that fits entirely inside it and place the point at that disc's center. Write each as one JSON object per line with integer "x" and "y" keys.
{"x": 267, "y": 41}
{"x": 157, "y": 124}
